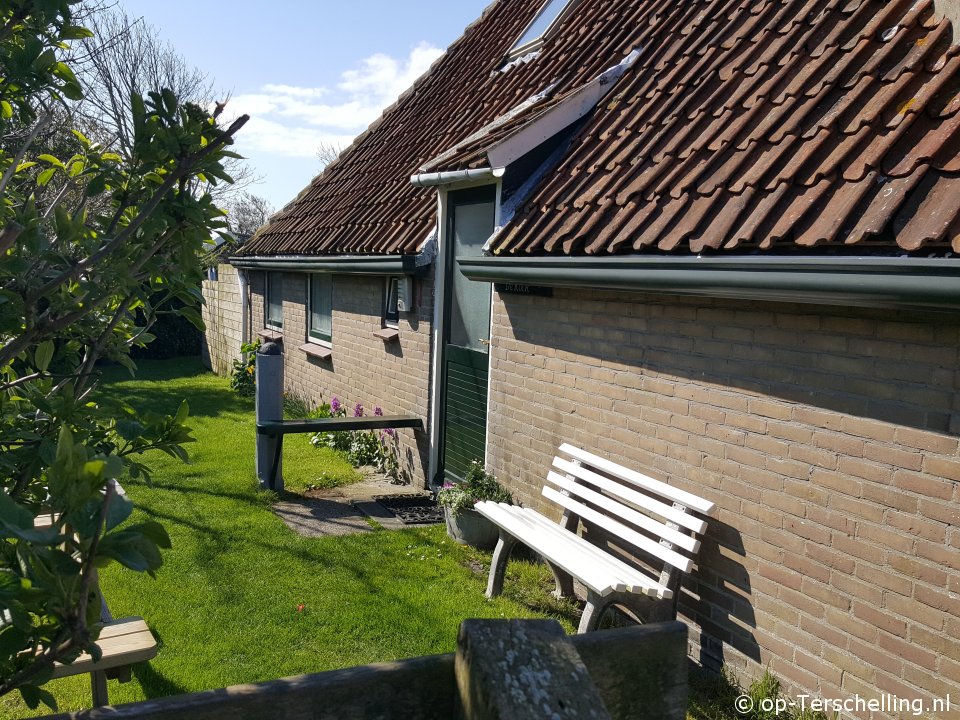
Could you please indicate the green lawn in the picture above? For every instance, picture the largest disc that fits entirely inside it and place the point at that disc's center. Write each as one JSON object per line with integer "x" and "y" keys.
{"x": 224, "y": 607}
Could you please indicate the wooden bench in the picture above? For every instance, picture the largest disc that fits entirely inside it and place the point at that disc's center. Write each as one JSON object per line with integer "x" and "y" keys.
{"x": 122, "y": 643}
{"x": 625, "y": 514}
{"x": 279, "y": 428}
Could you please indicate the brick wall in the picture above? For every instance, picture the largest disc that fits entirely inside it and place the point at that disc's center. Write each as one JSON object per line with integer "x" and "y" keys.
{"x": 828, "y": 440}
{"x": 222, "y": 316}
{"x": 363, "y": 368}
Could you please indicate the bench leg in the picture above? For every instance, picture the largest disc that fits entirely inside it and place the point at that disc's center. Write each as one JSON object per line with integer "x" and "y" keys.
{"x": 564, "y": 582}
{"x": 596, "y": 606}
{"x": 98, "y": 687}
{"x": 498, "y": 565}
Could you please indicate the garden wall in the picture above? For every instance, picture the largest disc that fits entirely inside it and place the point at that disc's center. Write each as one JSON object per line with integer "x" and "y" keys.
{"x": 362, "y": 368}
{"x": 827, "y": 438}
{"x": 222, "y": 314}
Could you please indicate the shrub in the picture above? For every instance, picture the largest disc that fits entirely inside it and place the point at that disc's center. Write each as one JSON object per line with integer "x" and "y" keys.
{"x": 477, "y": 485}
{"x": 243, "y": 379}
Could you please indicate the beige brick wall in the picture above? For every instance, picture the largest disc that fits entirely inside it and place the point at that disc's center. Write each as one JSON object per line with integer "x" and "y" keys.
{"x": 222, "y": 316}
{"x": 363, "y": 369}
{"x": 827, "y": 438}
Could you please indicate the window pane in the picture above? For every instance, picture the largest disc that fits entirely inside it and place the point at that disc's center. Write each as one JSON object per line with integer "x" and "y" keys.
{"x": 275, "y": 300}
{"x": 321, "y": 307}
{"x": 391, "y": 314}
{"x": 544, "y": 19}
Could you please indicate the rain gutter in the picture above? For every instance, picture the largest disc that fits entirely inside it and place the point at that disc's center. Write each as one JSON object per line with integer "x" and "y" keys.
{"x": 862, "y": 281}
{"x": 341, "y": 265}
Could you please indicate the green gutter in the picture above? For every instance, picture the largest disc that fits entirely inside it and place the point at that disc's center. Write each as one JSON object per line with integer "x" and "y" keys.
{"x": 342, "y": 265}
{"x": 864, "y": 281}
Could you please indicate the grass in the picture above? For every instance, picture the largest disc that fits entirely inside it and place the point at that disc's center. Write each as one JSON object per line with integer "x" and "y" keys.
{"x": 224, "y": 607}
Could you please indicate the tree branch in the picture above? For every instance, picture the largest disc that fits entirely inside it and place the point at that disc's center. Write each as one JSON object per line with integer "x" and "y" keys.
{"x": 184, "y": 167}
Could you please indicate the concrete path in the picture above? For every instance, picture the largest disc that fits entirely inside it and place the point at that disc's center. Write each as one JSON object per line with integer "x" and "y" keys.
{"x": 344, "y": 510}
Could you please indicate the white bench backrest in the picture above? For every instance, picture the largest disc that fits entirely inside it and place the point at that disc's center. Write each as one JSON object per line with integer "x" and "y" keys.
{"x": 649, "y": 514}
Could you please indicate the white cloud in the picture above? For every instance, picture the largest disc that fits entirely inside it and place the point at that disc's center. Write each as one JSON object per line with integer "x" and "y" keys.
{"x": 294, "y": 121}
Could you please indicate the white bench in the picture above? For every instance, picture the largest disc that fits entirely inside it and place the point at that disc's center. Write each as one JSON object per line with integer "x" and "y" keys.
{"x": 622, "y": 510}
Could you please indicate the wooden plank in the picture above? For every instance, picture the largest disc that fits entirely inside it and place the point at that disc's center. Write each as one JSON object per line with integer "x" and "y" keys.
{"x": 631, "y": 578}
{"x": 660, "y": 488}
{"x": 568, "y": 559}
{"x": 620, "y": 530}
{"x": 688, "y": 543}
{"x": 640, "y": 673}
{"x": 122, "y": 642}
{"x": 286, "y": 427}
{"x": 595, "y": 568}
{"x": 421, "y": 688}
{"x": 522, "y": 670}
{"x": 639, "y": 499}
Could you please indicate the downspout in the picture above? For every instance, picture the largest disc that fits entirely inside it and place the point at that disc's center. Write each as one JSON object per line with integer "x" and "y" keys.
{"x": 244, "y": 305}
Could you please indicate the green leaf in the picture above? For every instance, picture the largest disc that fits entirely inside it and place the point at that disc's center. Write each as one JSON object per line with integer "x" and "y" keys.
{"x": 45, "y": 60}
{"x": 13, "y": 515}
{"x": 48, "y": 158}
{"x": 33, "y": 696}
{"x": 43, "y": 355}
{"x": 75, "y": 32}
{"x": 6, "y": 110}
{"x": 182, "y": 413}
{"x": 119, "y": 510}
{"x": 44, "y": 177}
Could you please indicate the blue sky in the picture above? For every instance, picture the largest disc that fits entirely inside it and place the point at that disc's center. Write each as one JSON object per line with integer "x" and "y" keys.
{"x": 306, "y": 72}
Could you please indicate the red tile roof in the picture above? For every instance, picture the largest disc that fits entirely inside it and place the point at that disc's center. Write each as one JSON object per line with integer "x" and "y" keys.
{"x": 745, "y": 125}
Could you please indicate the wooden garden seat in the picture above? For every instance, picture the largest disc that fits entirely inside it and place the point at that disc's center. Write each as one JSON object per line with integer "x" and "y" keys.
{"x": 622, "y": 511}
{"x": 123, "y": 642}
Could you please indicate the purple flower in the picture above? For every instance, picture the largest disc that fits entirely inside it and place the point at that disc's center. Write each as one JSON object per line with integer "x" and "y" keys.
{"x": 335, "y": 405}
{"x": 391, "y": 432}
{"x": 447, "y": 486}
{"x": 358, "y": 410}
{"x": 378, "y": 411}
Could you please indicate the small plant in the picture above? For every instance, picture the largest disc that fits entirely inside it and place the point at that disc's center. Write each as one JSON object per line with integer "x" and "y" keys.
{"x": 477, "y": 485}
{"x": 361, "y": 447}
{"x": 243, "y": 379}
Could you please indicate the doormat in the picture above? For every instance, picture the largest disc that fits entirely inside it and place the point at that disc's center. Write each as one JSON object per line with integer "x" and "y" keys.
{"x": 413, "y": 509}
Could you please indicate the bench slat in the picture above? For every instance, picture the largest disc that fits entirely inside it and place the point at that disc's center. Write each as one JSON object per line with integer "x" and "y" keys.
{"x": 123, "y": 642}
{"x": 619, "y": 530}
{"x": 634, "y": 579}
{"x": 675, "y": 537}
{"x": 660, "y": 488}
{"x": 568, "y": 553}
{"x": 572, "y": 562}
{"x": 667, "y": 512}
{"x": 377, "y": 422}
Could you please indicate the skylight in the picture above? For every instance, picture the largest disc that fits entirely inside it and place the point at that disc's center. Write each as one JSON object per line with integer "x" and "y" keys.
{"x": 532, "y": 37}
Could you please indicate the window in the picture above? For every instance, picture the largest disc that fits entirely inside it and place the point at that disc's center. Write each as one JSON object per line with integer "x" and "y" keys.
{"x": 273, "y": 305}
{"x": 391, "y": 311}
{"x": 549, "y": 16}
{"x": 320, "y": 327}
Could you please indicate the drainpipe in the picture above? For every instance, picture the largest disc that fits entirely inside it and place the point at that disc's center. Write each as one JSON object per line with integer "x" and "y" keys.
{"x": 244, "y": 305}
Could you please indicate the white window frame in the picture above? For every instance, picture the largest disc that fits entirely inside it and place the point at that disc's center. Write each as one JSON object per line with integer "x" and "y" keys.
{"x": 268, "y": 291}
{"x": 391, "y": 293}
{"x": 318, "y": 337}
{"x": 519, "y": 50}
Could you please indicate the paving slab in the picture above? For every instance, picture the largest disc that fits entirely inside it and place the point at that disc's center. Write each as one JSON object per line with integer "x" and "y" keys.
{"x": 312, "y": 517}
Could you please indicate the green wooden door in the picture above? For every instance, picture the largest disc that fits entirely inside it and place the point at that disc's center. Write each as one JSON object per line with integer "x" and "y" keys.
{"x": 466, "y": 335}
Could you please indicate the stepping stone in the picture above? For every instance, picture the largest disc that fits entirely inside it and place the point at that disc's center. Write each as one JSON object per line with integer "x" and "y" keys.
{"x": 322, "y": 518}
